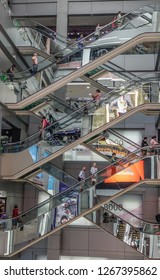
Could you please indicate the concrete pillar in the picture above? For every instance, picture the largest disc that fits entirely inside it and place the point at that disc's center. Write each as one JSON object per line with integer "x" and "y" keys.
{"x": 155, "y": 92}
{"x": 156, "y": 17}
{"x": 62, "y": 17}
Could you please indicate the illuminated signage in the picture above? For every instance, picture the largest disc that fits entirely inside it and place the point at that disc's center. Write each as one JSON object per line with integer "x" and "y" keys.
{"x": 133, "y": 173}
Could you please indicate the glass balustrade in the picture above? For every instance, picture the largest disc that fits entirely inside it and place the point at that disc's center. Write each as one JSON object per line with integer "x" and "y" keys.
{"x": 139, "y": 78}
{"x": 139, "y": 234}
{"x": 59, "y": 174}
{"x": 45, "y": 31}
{"x": 107, "y": 147}
{"x": 122, "y": 139}
{"x": 49, "y": 177}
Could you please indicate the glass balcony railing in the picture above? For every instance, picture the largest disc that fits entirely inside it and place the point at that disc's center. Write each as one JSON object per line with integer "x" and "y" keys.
{"x": 139, "y": 234}
{"x": 72, "y": 203}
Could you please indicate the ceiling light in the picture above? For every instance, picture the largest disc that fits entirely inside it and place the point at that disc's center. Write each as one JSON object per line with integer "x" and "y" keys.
{"x": 88, "y": 87}
{"x": 90, "y": 93}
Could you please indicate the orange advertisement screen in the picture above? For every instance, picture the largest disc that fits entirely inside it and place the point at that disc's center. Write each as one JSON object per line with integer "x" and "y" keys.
{"x": 133, "y": 173}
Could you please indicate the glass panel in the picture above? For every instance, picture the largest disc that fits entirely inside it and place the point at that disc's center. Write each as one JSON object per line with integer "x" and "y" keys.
{"x": 74, "y": 202}
{"x": 114, "y": 142}
{"x": 135, "y": 232}
{"x": 59, "y": 174}
{"x": 56, "y": 38}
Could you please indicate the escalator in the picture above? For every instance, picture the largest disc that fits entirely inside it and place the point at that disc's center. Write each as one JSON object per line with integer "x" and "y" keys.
{"x": 60, "y": 82}
{"x": 55, "y": 146}
{"x": 87, "y": 41}
{"x": 141, "y": 235}
{"x": 107, "y": 100}
{"x": 45, "y": 219}
{"x": 66, "y": 178}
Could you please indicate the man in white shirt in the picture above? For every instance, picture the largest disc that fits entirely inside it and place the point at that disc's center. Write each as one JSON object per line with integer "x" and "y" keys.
{"x": 81, "y": 177}
{"x": 94, "y": 171}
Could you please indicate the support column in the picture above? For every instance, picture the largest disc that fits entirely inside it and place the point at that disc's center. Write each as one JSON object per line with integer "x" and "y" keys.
{"x": 156, "y": 17}
{"x": 62, "y": 17}
{"x": 155, "y": 92}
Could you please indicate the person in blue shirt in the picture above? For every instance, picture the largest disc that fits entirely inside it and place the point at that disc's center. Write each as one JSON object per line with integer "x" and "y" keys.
{"x": 80, "y": 42}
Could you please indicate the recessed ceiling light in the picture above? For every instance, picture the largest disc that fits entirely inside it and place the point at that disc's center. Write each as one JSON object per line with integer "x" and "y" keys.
{"x": 90, "y": 94}
{"x": 88, "y": 87}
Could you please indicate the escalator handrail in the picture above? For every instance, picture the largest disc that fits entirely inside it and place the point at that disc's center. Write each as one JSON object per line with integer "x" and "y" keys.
{"x": 41, "y": 25}
{"x": 73, "y": 187}
{"x": 123, "y": 219}
{"x": 50, "y": 30}
{"x": 79, "y": 110}
{"x": 87, "y": 37}
{"x": 144, "y": 37}
{"x": 145, "y": 221}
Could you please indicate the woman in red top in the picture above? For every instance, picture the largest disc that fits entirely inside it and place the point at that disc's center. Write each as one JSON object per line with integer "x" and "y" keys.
{"x": 96, "y": 97}
{"x": 113, "y": 25}
{"x": 15, "y": 214}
